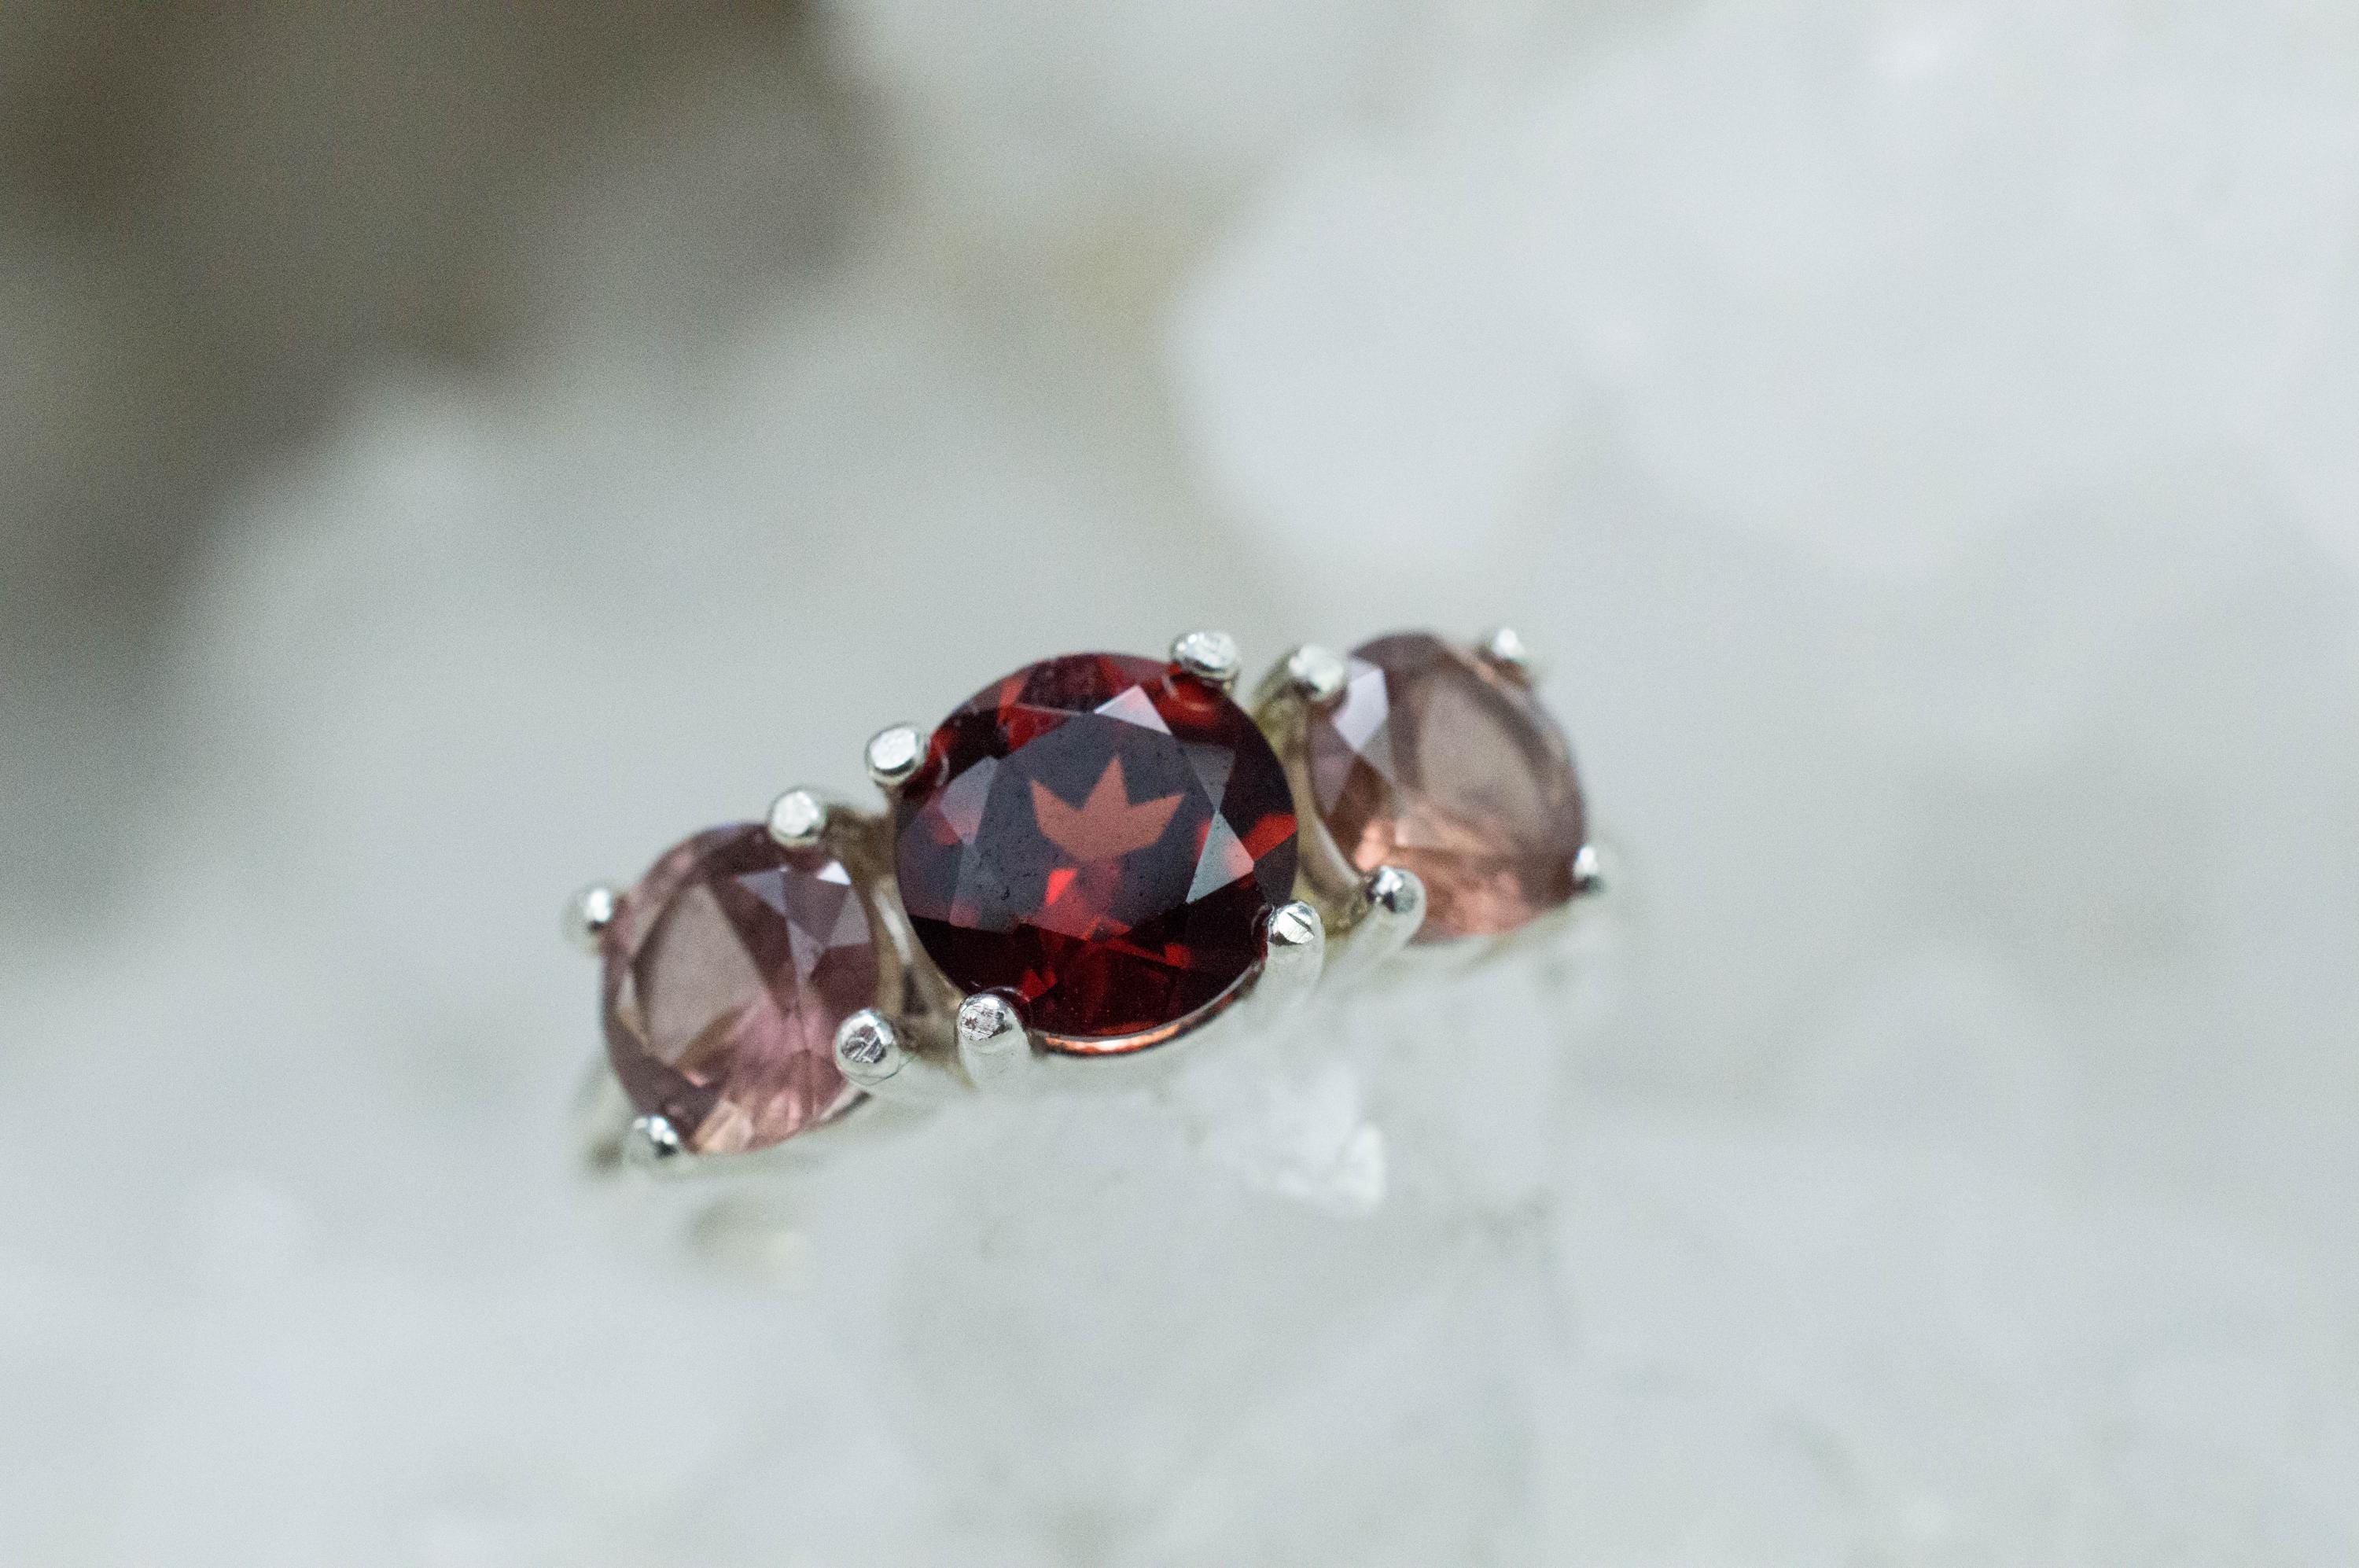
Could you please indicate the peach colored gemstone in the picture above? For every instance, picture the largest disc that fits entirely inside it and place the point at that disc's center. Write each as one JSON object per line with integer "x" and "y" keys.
{"x": 727, "y": 970}
{"x": 1436, "y": 761}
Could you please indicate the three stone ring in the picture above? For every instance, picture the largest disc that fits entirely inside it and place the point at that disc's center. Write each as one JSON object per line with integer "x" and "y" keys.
{"x": 1089, "y": 861}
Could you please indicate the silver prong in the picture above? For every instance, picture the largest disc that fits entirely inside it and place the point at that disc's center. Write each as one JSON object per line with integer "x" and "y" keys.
{"x": 1588, "y": 872}
{"x": 868, "y": 1049}
{"x": 1317, "y": 674}
{"x": 1294, "y": 951}
{"x": 588, "y": 914}
{"x": 1395, "y": 893}
{"x": 1386, "y": 916}
{"x": 652, "y": 1143}
{"x": 893, "y": 756}
{"x": 1504, "y": 649}
{"x": 992, "y": 1044}
{"x": 1208, "y": 656}
{"x": 873, "y": 1055}
{"x": 797, "y": 818}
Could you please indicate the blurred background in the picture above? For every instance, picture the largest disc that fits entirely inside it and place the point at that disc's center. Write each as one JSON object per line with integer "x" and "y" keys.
{"x": 447, "y": 453}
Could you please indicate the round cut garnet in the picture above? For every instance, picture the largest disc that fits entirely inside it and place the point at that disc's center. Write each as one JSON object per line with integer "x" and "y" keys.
{"x": 1436, "y": 761}
{"x": 1101, "y": 836}
{"x": 728, "y": 969}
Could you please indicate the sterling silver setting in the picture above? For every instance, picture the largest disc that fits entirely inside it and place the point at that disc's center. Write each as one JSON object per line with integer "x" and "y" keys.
{"x": 588, "y": 914}
{"x": 1210, "y": 655}
{"x": 924, "y": 1044}
{"x": 798, "y": 818}
{"x": 894, "y": 755}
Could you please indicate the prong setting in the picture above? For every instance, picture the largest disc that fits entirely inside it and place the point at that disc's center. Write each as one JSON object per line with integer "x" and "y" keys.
{"x": 588, "y": 914}
{"x": 868, "y": 1050}
{"x": 1385, "y": 916}
{"x": 893, "y": 756}
{"x": 1396, "y": 894}
{"x": 1208, "y": 656}
{"x": 797, "y": 818}
{"x": 1294, "y": 954}
{"x": 1504, "y": 649}
{"x": 1316, "y": 674}
{"x": 992, "y": 1043}
{"x": 652, "y": 1143}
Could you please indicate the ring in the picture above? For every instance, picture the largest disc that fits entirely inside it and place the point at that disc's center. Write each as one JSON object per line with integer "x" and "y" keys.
{"x": 1089, "y": 861}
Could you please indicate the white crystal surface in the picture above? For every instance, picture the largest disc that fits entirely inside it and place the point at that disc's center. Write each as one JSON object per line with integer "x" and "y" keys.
{"x": 1918, "y": 436}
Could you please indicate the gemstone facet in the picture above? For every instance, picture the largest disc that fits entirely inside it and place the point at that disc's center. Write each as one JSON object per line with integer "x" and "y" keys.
{"x": 1102, "y": 837}
{"x": 727, "y": 970}
{"x": 1435, "y": 760}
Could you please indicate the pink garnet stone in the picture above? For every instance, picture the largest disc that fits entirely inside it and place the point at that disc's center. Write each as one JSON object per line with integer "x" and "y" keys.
{"x": 1439, "y": 762}
{"x": 728, "y": 969}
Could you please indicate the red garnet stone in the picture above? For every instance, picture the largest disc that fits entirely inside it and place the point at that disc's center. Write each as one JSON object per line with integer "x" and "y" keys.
{"x": 728, "y": 968}
{"x": 1102, "y": 837}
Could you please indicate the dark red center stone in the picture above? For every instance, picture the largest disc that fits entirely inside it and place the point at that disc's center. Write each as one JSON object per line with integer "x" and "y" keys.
{"x": 1100, "y": 836}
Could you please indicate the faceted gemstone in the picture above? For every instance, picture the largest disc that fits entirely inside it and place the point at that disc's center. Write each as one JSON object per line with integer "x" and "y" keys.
{"x": 1101, "y": 836}
{"x": 1437, "y": 762}
{"x": 728, "y": 969}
